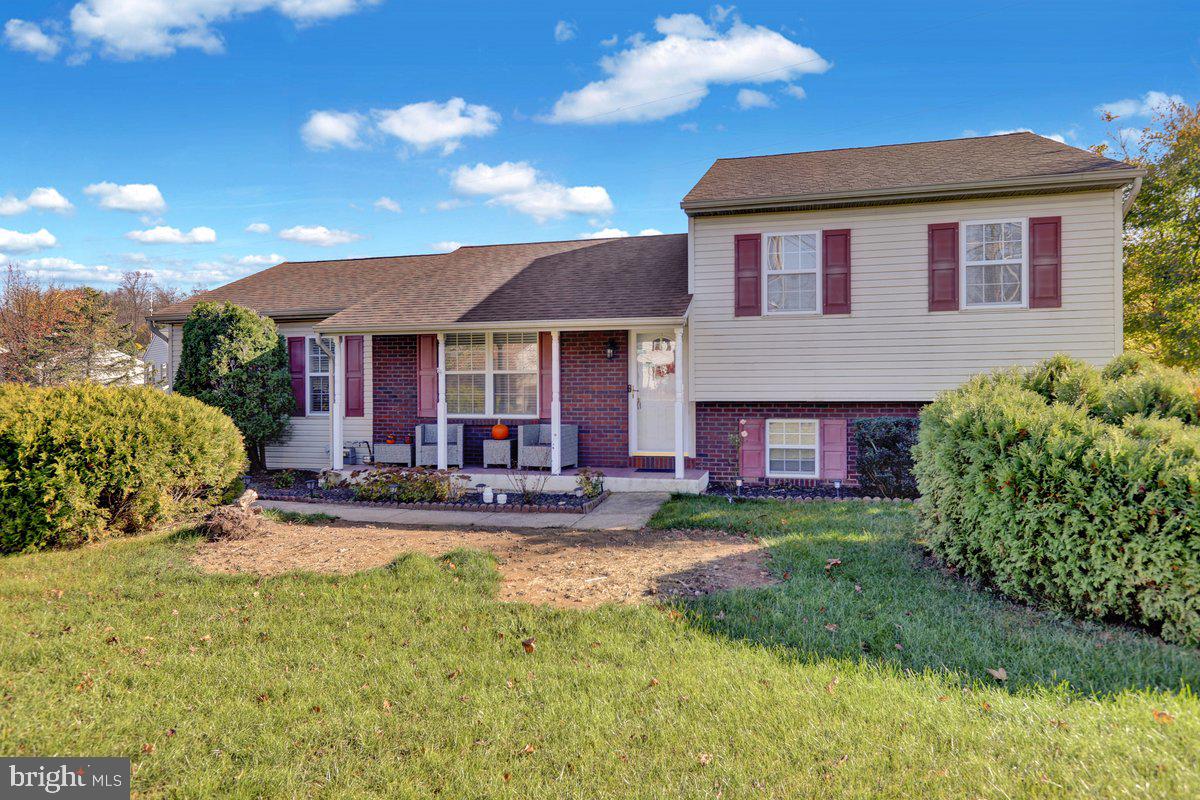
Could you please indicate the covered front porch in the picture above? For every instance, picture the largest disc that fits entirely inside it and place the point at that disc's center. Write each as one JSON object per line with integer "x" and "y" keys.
{"x": 609, "y": 399}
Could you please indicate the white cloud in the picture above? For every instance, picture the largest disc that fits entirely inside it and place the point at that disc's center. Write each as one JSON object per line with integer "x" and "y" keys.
{"x": 611, "y": 41}
{"x": 163, "y": 234}
{"x": 17, "y": 242}
{"x": 429, "y": 124}
{"x": 258, "y": 227}
{"x": 1150, "y": 104}
{"x": 796, "y": 91}
{"x": 451, "y": 204}
{"x": 689, "y": 127}
{"x": 43, "y": 198}
{"x": 261, "y": 261}
{"x": 519, "y": 186}
{"x": 130, "y": 29}
{"x": 618, "y": 233}
{"x": 652, "y": 80}
{"x": 56, "y": 269}
{"x": 445, "y": 247}
{"x": 29, "y": 37}
{"x": 564, "y": 31}
{"x": 388, "y": 204}
{"x": 753, "y": 98}
{"x": 1058, "y": 137}
{"x": 328, "y": 129}
{"x": 141, "y": 197}
{"x": 318, "y": 235}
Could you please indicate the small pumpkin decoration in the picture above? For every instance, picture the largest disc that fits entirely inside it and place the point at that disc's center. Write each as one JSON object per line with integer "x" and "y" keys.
{"x": 499, "y": 431}
{"x": 391, "y": 439}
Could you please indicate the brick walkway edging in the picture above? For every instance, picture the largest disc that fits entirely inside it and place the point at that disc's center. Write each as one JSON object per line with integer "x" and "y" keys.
{"x": 481, "y": 507}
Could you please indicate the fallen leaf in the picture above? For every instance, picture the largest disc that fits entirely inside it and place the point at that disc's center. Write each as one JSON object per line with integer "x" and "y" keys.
{"x": 147, "y": 748}
{"x": 453, "y": 674}
{"x": 316, "y": 709}
{"x": 858, "y": 588}
{"x": 1163, "y": 718}
{"x": 704, "y": 758}
{"x": 899, "y": 646}
{"x": 829, "y": 687}
{"x": 264, "y": 698}
{"x": 507, "y": 777}
{"x": 942, "y": 698}
{"x": 831, "y": 563}
{"x": 831, "y": 626}
{"x": 1058, "y": 723}
{"x": 654, "y": 681}
{"x": 529, "y": 750}
{"x": 529, "y": 644}
{"x": 986, "y": 706}
{"x": 999, "y": 674}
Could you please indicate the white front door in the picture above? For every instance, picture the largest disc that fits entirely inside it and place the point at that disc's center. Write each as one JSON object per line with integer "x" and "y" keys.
{"x": 653, "y": 396}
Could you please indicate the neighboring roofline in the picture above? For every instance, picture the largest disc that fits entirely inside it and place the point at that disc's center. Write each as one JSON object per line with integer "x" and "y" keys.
{"x": 502, "y": 325}
{"x": 291, "y": 315}
{"x": 1099, "y": 179}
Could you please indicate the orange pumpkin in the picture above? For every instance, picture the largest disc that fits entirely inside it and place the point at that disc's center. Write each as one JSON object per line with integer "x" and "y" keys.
{"x": 499, "y": 431}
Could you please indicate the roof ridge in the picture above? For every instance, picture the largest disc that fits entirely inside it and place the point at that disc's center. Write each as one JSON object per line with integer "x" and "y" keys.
{"x": 907, "y": 144}
{"x": 564, "y": 241}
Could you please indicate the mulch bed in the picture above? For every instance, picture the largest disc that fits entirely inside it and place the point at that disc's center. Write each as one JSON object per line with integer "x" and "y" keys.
{"x": 792, "y": 492}
{"x": 547, "y": 502}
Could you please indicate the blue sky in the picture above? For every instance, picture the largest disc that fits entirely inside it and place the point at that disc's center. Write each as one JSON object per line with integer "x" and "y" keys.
{"x": 342, "y": 128}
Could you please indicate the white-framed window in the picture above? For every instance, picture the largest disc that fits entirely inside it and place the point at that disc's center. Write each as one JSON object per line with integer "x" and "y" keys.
{"x": 791, "y": 273}
{"x": 492, "y": 374}
{"x": 793, "y": 448}
{"x": 995, "y": 264}
{"x": 320, "y": 371}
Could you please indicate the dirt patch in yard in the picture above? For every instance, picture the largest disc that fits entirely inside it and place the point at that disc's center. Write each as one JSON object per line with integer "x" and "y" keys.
{"x": 558, "y": 567}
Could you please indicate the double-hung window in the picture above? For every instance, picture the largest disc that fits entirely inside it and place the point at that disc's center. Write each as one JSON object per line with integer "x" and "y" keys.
{"x": 790, "y": 277}
{"x": 320, "y": 368}
{"x": 792, "y": 448}
{"x": 994, "y": 263}
{"x": 492, "y": 374}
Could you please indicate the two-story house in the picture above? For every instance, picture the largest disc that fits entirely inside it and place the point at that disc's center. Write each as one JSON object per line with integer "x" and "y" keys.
{"x": 811, "y": 289}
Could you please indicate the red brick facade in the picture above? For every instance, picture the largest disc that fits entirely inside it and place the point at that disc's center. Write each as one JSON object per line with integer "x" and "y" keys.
{"x": 594, "y": 392}
{"x": 715, "y": 422}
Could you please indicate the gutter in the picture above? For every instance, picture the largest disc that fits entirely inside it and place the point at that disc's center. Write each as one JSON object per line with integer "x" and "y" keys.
{"x": 1080, "y": 181}
{"x": 608, "y": 323}
{"x": 290, "y": 315}
{"x": 1133, "y": 193}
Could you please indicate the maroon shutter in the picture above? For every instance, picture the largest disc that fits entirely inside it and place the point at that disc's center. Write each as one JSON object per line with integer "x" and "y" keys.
{"x": 833, "y": 449}
{"x": 753, "y": 455}
{"x": 297, "y": 355}
{"x": 835, "y": 272}
{"x": 354, "y": 376}
{"x": 427, "y": 377}
{"x": 1045, "y": 262}
{"x": 747, "y": 275}
{"x": 943, "y": 266}
{"x": 545, "y": 374}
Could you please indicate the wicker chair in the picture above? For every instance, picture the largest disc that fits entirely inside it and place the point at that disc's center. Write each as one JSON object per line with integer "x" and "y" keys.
{"x": 533, "y": 446}
{"x": 425, "y": 444}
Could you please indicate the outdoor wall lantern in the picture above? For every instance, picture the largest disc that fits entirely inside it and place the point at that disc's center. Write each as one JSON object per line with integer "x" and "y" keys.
{"x": 610, "y": 349}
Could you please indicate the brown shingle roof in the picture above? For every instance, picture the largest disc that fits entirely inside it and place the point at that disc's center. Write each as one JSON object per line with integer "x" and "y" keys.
{"x": 630, "y": 278}
{"x": 635, "y": 277}
{"x": 1006, "y": 158}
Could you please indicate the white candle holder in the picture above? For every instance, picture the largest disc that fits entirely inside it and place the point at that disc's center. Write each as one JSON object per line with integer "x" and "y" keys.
{"x": 502, "y": 499}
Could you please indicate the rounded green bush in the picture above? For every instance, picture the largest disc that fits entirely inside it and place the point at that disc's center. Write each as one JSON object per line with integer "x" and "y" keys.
{"x": 1089, "y": 505}
{"x": 84, "y": 461}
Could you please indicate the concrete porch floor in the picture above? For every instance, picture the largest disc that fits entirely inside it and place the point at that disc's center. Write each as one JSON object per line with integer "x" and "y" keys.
{"x": 628, "y": 511}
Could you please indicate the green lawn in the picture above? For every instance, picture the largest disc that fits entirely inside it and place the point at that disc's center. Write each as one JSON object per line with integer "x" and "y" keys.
{"x": 412, "y": 680}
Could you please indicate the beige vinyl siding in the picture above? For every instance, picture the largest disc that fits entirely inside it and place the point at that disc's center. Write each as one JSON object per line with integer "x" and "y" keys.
{"x": 306, "y": 446}
{"x": 891, "y": 347}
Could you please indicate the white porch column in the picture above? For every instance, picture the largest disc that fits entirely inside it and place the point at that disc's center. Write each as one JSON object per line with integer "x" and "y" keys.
{"x": 337, "y": 406}
{"x": 680, "y": 439}
{"x": 555, "y": 410}
{"x": 443, "y": 451}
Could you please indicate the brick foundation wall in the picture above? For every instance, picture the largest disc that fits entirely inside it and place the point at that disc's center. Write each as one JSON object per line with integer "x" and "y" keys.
{"x": 593, "y": 391}
{"x": 715, "y": 422}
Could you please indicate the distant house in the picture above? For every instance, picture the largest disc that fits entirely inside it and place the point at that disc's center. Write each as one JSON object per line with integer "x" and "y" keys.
{"x": 811, "y": 289}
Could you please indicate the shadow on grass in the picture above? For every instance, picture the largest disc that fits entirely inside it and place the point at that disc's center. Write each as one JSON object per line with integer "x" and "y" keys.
{"x": 883, "y": 601}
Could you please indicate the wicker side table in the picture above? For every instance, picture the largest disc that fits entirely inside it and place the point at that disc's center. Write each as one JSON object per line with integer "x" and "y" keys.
{"x": 497, "y": 451}
{"x": 393, "y": 454}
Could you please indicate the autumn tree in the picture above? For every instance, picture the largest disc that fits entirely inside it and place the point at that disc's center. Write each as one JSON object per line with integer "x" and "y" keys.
{"x": 1162, "y": 237}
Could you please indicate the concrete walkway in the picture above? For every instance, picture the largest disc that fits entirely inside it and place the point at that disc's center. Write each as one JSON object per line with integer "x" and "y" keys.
{"x": 619, "y": 512}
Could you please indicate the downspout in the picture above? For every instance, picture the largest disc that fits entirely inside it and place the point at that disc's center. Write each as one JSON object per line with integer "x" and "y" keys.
{"x": 1133, "y": 193}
